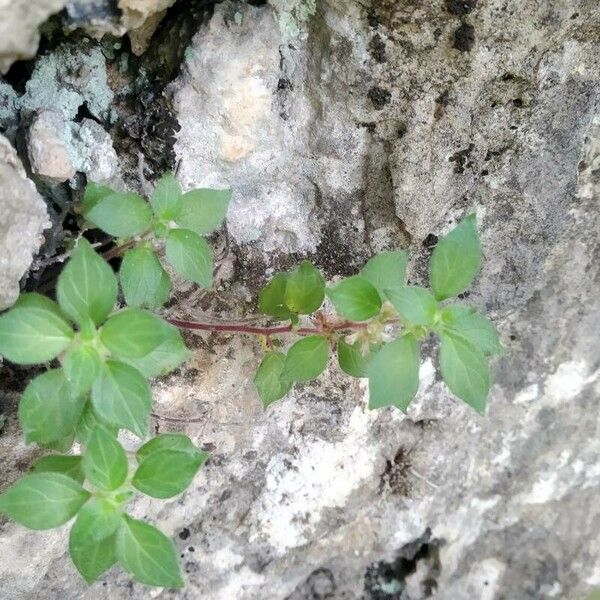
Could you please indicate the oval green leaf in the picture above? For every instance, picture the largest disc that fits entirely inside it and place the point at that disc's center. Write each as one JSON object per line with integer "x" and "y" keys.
{"x": 306, "y": 359}
{"x": 105, "y": 461}
{"x": 82, "y": 365}
{"x": 166, "y": 473}
{"x": 268, "y": 379}
{"x": 122, "y": 215}
{"x": 33, "y": 330}
{"x": 355, "y": 298}
{"x": 88, "y": 421}
{"x": 166, "y": 441}
{"x": 477, "y": 329}
{"x": 93, "y": 560}
{"x": 203, "y": 210}
{"x": 414, "y": 304}
{"x": 394, "y": 374}
{"x": 455, "y": 260}
{"x": 87, "y": 286}
{"x": 305, "y": 289}
{"x": 121, "y": 396}
{"x": 190, "y": 256}
{"x": 386, "y": 270}
{"x": 133, "y": 333}
{"x": 271, "y": 300}
{"x": 49, "y": 409}
{"x": 67, "y": 465}
{"x": 164, "y": 358}
{"x": 43, "y": 500}
{"x": 465, "y": 370}
{"x": 93, "y": 193}
{"x": 144, "y": 282}
{"x": 351, "y": 359}
{"x": 148, "y": 554}
{"x": 166, "y": 199}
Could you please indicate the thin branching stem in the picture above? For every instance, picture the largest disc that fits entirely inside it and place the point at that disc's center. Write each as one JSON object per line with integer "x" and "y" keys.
{"x": 271, "y": 330}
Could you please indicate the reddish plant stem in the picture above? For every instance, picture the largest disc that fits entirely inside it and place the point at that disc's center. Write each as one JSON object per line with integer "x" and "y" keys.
{"x": 266, "y": 331}
{"x": 118, "y": 250}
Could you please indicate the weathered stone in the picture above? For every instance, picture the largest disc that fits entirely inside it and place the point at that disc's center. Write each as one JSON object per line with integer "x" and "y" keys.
{"x": 49, "y": 139}
{"x": 19, "y": 22}
{"x": 23, "y": 219}
{"x": 59, "y": 148}
{"x": 93, "y": 152}
{"x": 318, "y": 497}
{"x": 67, "y": 79}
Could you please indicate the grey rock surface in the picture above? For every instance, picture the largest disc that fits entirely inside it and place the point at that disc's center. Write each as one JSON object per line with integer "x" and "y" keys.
{"x": 23, "y": 219}
{"x": 380, "y": 128}
{"x": 19, "y": 23}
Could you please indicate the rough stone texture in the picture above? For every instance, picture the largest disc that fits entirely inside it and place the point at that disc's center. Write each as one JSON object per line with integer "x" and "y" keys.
{"x": 61, "y": 143}
{"x": 383, "y": 127}
{"x": 23, "y": 219}
{"x": 48, "y": 146}
{"x": 19, "y": 22}
{"x": 59, "y": 148}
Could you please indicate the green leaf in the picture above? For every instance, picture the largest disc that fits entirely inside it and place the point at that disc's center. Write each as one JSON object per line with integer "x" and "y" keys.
{"x": 305, "y": 289}
{"x": 268, "y": 379}
{"x": 121, "y": 215}
{"x": 105, "y": 461}
{"x": 465, "y": 370}
{"x": 477, "y": 329}
{"x": 43, "y": 500}
{"x": 49, "y": 409}
{"x": 415, "y": 304}
{"x": 166, "y": 199}
{"x": 92, "y": 539}
{"x": 271, "y": 300}
{"x": 144, "y": 282}
{"x": 203, "y": 210}
{"x": 164, "y": 358}
{"x": 33, "y": 331}
{"x": 386, "y": 270}
{"x": 87, "y": 286}
{"x": 456, "y": 260}
{"x": 306, "y": 359}
{"x": 93, "y": 193}
{"x": 166, "y": 441}
{"x": 190, "y": 256}
{"x": 133, "y": 333}
{"x": 62, "y": 445}
{"x": 121, "y": 396}
{"x": 67, "y": 465}
{"x": 352, "y": 360}
{"x": 88, "y": 421}
{"x": 148, "y": 554}
{"x": 98, "y": 519}
{"x": 394, "y": 374}
{"x": 82, "y": 365}
{"x": 166, "y": 473}
{"x": 93, "y": 560}
{"x": 355, "y": 298}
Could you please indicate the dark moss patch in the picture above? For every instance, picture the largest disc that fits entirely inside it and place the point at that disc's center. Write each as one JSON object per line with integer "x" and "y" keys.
{"x": 464, "y": 38}
{"x": 460, "y": 8}
{"x": 379, "y": 97}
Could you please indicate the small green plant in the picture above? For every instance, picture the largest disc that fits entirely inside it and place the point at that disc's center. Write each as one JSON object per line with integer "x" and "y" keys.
{"x": 103, "y": 359}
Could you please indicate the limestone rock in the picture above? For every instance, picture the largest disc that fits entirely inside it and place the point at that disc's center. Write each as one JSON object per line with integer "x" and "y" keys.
{"x": 48, "y": 146}
{"x": 389, "y": 122}
{"x": 93, "y": 151}
{"x": 19, "y": 22}
{"x": 23, "y": 219}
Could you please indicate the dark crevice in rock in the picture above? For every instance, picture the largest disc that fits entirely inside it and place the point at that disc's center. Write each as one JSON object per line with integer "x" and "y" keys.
{"x": 420, "y": 558}
{"x": 464, "y": 37}
{"x": 147, "y": 124}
